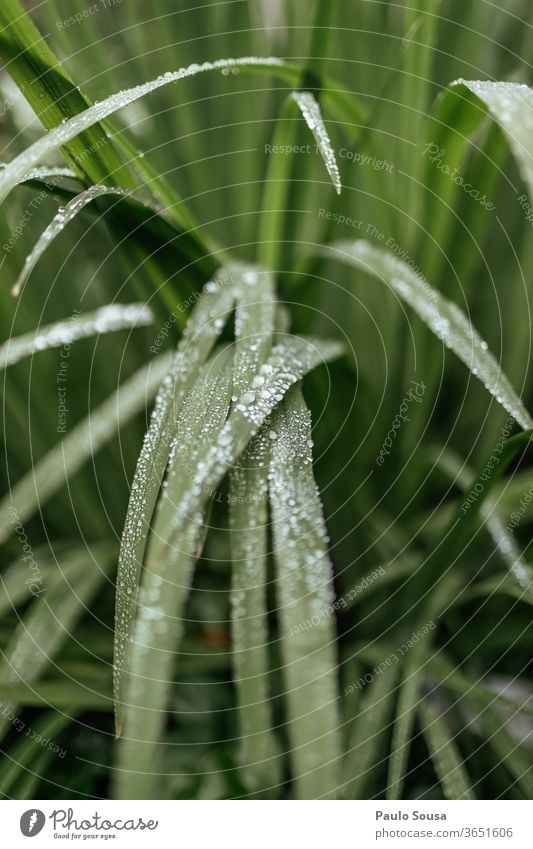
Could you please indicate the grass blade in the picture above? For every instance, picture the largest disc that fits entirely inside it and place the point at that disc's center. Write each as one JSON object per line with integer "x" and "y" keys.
{"x": 445, "y": 755}
{"x": 51, "y": 618}
{"x": 70, "y": 129}
{"x": 305, "y": 592}
{"x": 84, "y": 440}
{"x": 312, "y": 114}
{"x": 63, "y": 217}
{"x": 511, "y": 106}
{"x": 108, "y": 319}
{"x": 248, "y": 516}
{"x": 520, "y": 571}
{"x": 369, "y": 728}
{"x": 165, "y": 584}
{"x": 443, "y": 317}
{"x": 274, "y": 205}
{"x": 205, "y": 325}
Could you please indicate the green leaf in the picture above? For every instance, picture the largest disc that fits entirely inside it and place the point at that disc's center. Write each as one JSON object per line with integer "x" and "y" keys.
{"x": 205, "y": 325}
{"x": 312, "y": 114}
{"x": 165, "y": 584}
{"x": 520, "y": 571}
{"x": 370, "y": 727}
{"x": 63, "y": 217}
{"x": 51, "y": 617}
{"x": 20, "y": 764}
{"x": 443, "y": 317}
{"x": 70, "y": 129}
{"x": 445, "y": 754}
{"x": 248, "y": 517}
{"x": 511, "y": 106}
{"x": 479, "y": 707}
{"x": 305, "y": 593}
{"x": 108, "y": 319}
{"x": 83, "y": 441}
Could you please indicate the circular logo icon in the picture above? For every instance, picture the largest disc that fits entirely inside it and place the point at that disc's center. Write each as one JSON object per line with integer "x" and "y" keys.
{"x": 32, "y": 822}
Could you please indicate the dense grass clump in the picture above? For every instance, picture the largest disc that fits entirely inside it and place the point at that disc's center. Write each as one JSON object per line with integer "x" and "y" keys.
{"x": 266, "y": 357}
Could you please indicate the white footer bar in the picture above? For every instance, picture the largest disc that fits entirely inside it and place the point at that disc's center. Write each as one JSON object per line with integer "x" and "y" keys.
{"x": 268, "y": 824}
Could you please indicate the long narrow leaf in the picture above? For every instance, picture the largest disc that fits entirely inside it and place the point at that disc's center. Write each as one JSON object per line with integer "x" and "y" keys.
{"x": 443, "y": 317}
{"x": 445, "y": 755}
{"x": 310, "y": 109}
{"x": 203, "y": 328}
{"x": 108, "y": 319}
{"x": 511, "y": 106}
{"x": 305, "y": 592}
{"x": 369, "y": 729}
{"x": 165, "y": 584}
{"x": 84, "y": 440}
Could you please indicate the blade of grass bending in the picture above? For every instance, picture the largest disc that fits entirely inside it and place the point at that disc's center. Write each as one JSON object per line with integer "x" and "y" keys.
{"x": 63, "y": 217}
{"x": 94, "y": 155}
{"x": 312, "y": 114}
{"x": 519, "y": 569}
{"x": 108, "y": 319}
{"x": 84, "y": 440}
{"x": 165, "y": 584}
{"x": 78, "y": 203}
{"x": 436, "y": 584}
{"x": 511, "y": 106}
{"x": 446, "y": 757}
{"x": 20, "y": 763}
{"x": 61, "y": 135}
{"x": 50, "y": 619}
{"x": 53, "y": 96}
{"x": 443, "y": 317}
{"x": 304, "y": 584}
{"x": 369, "y": 729}
{"x": 248, "y": 517}
{"x": 200, "y": 334}
{"x": 44, "y": 172}
{"x": 500, "y": 584}
{"x": 480, "y": 708}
